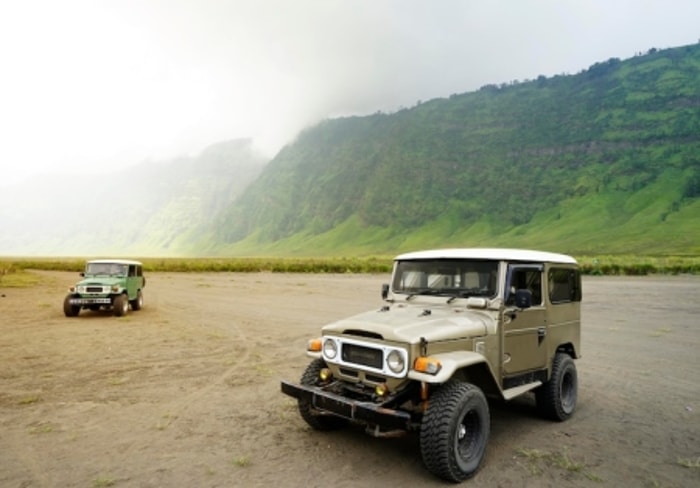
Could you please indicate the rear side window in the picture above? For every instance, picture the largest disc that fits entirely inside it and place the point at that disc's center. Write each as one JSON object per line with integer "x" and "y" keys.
{"x": 564, "y": 285}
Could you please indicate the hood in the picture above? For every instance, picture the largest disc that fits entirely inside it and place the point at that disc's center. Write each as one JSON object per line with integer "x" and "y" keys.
{"x": 102, "y": 280}
{"x": 408, "y": 323}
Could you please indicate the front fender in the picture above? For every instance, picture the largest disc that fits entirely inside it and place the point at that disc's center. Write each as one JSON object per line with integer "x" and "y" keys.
{"x": 451, "y": 362}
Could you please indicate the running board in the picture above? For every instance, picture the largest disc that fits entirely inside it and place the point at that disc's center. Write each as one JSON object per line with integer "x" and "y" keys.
{"x": 511, "y": 393}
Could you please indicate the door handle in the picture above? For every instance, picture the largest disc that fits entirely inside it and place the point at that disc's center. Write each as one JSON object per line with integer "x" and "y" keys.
{"x": 541, "y": 333}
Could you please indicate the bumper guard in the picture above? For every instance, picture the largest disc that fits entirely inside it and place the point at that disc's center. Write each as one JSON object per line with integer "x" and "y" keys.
{"x": 355, "y": 410}
{"x": 90, "y": 301}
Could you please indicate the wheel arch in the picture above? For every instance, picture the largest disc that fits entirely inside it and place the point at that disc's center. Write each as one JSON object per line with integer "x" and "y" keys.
{"x": 480, "y": 375}
{"x": 568, "y": 348}
{"x": 467, "y": 366}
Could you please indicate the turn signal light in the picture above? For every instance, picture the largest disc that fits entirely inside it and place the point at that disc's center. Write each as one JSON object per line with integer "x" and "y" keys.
{"x": 314, "y": 345}
{"x": 427, "y": 365}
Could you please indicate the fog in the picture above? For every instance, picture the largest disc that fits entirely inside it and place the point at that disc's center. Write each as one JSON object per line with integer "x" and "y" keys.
{"x": 91, "y": 86}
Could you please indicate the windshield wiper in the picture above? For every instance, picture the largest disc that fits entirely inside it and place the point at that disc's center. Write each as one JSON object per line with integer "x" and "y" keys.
{"x": 426, "y": 291}
{"x": 466, "y": 294}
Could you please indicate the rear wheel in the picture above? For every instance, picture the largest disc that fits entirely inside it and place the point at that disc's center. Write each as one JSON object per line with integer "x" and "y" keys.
{"x": 69, "y": 309}
{"x": 556, "y": 399}
{"x": 315, "y": 418}
{"x": 455, "y": 431}
{"x": 137, "y": 303}
{"x": 121, "y": 305}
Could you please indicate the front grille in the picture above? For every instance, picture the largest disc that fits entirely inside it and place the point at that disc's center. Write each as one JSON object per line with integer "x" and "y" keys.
{"x": 374, "y": 379}
{"x": 93, "y": 289}
{"x": 349, "y": 372}
{"x": 365, "y": 356}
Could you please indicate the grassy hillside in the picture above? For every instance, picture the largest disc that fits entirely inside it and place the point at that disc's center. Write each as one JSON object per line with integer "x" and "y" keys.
{"x": 154, "y": 208}
{"x": 607, "y": 160}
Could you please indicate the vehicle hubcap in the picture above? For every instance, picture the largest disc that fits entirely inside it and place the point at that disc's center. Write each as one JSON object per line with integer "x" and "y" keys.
{"x": 468, "y": 434}
{"x": 567, "y": 392}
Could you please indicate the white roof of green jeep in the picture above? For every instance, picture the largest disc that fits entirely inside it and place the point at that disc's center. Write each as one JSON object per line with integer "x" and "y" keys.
{"x": 499, "y": 254}
{"x": 113, "y": 261}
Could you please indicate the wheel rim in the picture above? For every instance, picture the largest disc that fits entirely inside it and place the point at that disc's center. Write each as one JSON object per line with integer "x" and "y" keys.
{"x": 568, "y": 392}
{"x": 125, "y": 306}
{"x": 468, "y": 435}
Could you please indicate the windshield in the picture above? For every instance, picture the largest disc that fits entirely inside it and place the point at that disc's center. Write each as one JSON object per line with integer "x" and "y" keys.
{"x": 446, "y": 277}
{"x": 109, "y": 269}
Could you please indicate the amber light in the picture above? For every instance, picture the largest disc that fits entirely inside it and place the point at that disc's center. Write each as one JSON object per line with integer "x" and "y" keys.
{"x": 427, "y": 365}
{"x": 324, "y": 374}
{"x": 381, "y": 390}
{"x": 314, "y": 345}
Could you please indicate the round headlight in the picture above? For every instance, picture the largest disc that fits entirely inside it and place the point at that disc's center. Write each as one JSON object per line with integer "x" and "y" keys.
{"x": 395, "y": 361}
{"x": 330, "y": 349}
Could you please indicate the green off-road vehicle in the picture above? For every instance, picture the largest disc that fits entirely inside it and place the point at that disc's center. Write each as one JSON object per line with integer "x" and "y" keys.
{"x": 112, "y": 284}
{"x": 458, "y": 326}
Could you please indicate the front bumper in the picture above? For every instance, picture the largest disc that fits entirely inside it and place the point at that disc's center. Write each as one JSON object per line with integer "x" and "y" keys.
{"x": 358, "y": 411}
{"x": 90, "y": 301}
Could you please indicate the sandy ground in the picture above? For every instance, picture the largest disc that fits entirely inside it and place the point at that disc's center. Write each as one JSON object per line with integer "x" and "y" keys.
{"x": 185, "y": 392}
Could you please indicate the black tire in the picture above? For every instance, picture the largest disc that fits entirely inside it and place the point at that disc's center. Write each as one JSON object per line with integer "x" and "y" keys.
{"x": 556, "y": 399}
{"x": 455, "y": 431}
{"x": 69, "y": 309}
{"x": 311, "y": 416}
{"x": 137, "y": 303}
{"x": 121, "y": 305}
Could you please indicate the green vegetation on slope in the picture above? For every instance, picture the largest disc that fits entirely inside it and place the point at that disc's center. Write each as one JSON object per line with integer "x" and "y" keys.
{"x": 13, "y": 272}
{"x": 607, "y": 160}
{"x": 154, "y": 208}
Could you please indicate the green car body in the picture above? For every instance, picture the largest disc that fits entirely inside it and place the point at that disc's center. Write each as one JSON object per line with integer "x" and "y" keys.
{"x": 114, "y": 284}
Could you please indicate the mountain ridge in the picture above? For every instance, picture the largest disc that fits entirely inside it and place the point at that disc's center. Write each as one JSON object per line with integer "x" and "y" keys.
{"x": 155, "y": 208}
{"x": 490, "y": 167}
{"x": 606, "y": 161}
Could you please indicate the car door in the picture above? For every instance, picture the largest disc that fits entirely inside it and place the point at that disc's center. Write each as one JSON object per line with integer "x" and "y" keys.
{"x": 524, "y": 347}
{"x": 132, "y": 282}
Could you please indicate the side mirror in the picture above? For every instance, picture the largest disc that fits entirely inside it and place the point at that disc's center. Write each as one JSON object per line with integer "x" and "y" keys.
{"x": 523, "y": 298}
{"x": 385, "y": 291}
{"x": 82, "y": 274}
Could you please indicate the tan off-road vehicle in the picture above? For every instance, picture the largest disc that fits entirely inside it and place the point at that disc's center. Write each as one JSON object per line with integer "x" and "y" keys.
{"x": 458, "y": 326}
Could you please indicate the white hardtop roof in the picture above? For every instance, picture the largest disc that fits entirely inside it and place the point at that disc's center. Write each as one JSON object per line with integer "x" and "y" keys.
{"x": 499, "y": 254}
{"x": 113, "y": 261}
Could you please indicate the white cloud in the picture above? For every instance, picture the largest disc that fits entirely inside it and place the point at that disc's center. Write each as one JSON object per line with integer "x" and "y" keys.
{"x": 90, "y": 85}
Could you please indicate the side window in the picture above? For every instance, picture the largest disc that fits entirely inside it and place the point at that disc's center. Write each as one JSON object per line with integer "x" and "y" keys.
{"x": 132, "y": 270}
{"x": 526, "y": 278}
{"x": 564, "y": 285}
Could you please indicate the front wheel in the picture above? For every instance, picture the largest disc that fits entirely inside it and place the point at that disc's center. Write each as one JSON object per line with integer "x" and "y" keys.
{"x": 69, "y": 309}
{"x": 556, "y": 399}
{"x": 121, "y": 305}
{"x": 454, "y": 431}
{"x": 315, "y": 418}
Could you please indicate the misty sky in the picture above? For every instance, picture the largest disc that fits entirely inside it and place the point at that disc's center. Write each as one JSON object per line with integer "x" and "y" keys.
{"x": 95, "y": 85}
